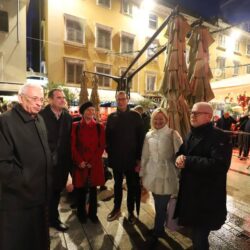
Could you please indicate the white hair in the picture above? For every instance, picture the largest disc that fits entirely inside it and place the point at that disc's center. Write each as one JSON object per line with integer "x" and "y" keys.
{"x": 23, "y": 89}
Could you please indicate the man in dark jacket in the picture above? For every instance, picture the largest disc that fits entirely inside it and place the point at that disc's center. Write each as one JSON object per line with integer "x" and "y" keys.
{"x": 204, "y": 158}
{"x": 226, "y": 121}
{"x": 124, "y": 139}
{"x": 58, "y": 123}
{"x": 25, "y": 174}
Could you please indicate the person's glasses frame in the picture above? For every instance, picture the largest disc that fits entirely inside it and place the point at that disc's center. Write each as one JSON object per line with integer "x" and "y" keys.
{"x": 34, "y": 98}
{"x": 196, "y": 113}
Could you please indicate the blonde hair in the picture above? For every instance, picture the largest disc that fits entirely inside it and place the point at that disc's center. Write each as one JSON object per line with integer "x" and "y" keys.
{"x": 157, "y": 111}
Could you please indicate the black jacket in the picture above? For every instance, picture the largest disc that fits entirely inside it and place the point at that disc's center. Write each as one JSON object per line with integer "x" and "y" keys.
{"x": 59, "y": 130}
{"x": 124, "y": 139}
{"x": 25, "y": 168}
{"x": 202, "y": 194}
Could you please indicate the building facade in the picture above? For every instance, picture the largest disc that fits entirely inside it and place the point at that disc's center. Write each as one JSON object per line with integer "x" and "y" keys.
{"x": 12, "y": 45}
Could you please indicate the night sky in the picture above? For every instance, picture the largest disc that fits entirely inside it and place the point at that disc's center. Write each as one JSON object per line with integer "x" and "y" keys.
{"x": 232, "y": 11}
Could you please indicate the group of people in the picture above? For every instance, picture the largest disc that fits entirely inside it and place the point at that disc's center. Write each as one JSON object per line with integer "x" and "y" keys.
{"x": 40, "y": 148}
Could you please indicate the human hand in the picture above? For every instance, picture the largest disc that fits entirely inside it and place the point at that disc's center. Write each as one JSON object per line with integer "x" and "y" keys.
{"x": 180, "y": 161}
{"x": 83, "y": 165}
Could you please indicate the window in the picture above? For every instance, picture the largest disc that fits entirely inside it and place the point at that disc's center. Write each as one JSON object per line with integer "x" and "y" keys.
{"x": 74, "y": 29}
{"x": 127, "y": 7}
{"x": 105, "y": 3}
{"x": 153, "y": 21}
{"x": 248, "y": 48}
{"x": 237, "y": 46}
{"x": 222, "y": 41}
{"x": 127, "y": 42}
{"x": 151, "y": 80}
{"x": 103, "y": 81}
{"x": 248, "y": 69}
{"x": 74, "y": 69}
{"x": 152, "y": 49}
{"x": 122, "y": 70}
{"x": 236, "y": 68}
{"x": 221, "y": 62}
{"x": 103, "y": 35}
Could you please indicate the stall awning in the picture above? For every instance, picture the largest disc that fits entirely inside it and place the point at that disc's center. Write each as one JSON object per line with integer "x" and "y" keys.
{"x": 109, "y": 95}
{"x": 232, "y": 86}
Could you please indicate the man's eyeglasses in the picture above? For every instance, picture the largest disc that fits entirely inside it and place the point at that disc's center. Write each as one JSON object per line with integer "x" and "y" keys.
{"x": 34, "y": 98}
{"x": 194, "y": 113}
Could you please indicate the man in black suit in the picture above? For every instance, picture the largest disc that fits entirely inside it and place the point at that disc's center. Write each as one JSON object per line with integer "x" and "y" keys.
{"x": 58, "y": 123}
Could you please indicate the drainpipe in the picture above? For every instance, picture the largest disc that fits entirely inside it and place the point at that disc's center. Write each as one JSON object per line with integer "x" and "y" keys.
{"x": 17, "y": 21}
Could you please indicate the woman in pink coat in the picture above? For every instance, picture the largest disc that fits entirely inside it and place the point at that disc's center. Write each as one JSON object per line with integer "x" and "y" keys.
{"x": 87, "y": 143}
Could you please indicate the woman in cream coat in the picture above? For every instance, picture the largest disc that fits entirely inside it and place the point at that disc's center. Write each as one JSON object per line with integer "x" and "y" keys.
{"x": 158, "y": 171}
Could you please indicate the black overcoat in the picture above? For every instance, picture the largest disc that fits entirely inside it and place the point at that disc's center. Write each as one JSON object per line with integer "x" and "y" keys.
{"x": 124, "y": 139}
{"x": 202, "y": 195}
{"x": 25, "y": 166}
{"x": 63, "y": 148}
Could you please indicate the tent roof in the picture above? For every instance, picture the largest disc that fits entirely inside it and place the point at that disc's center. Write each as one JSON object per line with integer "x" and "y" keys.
{"x": 109, "y": 95}
{"x": 232, "y": 82}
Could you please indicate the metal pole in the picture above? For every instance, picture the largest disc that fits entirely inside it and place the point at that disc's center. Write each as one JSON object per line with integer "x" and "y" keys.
{"x": 163, "y": 25}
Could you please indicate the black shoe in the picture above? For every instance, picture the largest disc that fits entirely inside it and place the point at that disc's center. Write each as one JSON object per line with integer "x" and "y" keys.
{"x": 94, "y": 219}
{"x": 59, "y": 226}
{"x": 131, "y": 218}
{"x": 114, "y": 214}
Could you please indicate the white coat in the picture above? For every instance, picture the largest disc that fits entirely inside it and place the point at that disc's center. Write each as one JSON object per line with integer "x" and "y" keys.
{"x": 158, "y": 171}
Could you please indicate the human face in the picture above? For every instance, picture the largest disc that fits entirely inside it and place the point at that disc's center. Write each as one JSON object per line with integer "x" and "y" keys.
{"x": 159, "y": 121}
{"x": 199, "y": 115}
{"x": 58, "y": 100}
{"x": 89, "y": 113}
{"x": 122, "y": 102}
{"x": 32, "y": 100}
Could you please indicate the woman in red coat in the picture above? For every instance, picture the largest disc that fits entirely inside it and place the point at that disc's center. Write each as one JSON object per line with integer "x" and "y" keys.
{"x": 87, "y": 143}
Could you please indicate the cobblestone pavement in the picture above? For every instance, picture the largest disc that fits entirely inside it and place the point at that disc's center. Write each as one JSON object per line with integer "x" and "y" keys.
{"x": 234, "y": 235}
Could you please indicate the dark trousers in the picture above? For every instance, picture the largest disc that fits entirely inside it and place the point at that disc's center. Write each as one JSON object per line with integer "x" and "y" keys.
{"x": 81, "y": 196}
{"x": 53, "y": 206}
{"x": 200, "y": 238}
{"x": 24, "y": 229}
{"x": 161, "y": 203}
{"x": 131, "y": 185}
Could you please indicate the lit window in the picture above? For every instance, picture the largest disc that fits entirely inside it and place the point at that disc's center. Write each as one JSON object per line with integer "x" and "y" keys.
{"x": 74, "y": 69}
{"x": 102, "y": 80}
{"x": 153, "y": 21}
{"x": 74, "y": 29}
{"x": 129, "y": 73}
{"x": 127, "y": 7}
{"x": 236, "y": 68}
{"x": 221, "y": 62}
{"x": 222, "y": 40}
{"x": 127, "y": 43}
{"x": 153, "y": 48}
{"x": 248, "y": 69}
{"x": 151, "y": 81}
{"x": 103, "y": 40}
{"x": 105, "y": 3}
{"x": 237, "y": 46}
{"x": 248, "y": 48}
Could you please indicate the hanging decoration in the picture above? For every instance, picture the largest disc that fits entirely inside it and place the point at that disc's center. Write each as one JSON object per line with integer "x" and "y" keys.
{"x": 175, "y": 87}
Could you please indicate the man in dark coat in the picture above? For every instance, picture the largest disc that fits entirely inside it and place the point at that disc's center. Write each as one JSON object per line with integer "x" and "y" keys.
{"x": 124, "y": 140}
{"x": 25, "y": 174}
{"x": 58, "y": 123}
{"x": 226, "y": 121}
{"x": 204, "y": 158}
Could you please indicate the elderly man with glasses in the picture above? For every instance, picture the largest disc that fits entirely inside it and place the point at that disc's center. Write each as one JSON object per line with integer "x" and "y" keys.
{"x": 25, "y": 173}
{"x": 204, "y": 159}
